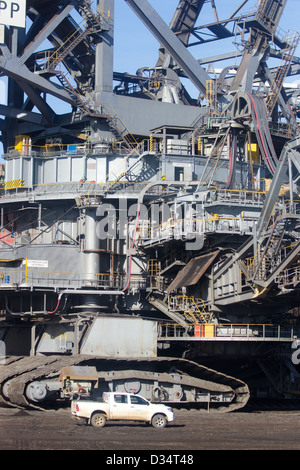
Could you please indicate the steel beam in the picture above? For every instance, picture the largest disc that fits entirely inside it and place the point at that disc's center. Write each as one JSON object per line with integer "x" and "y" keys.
{"x": 185, "y": 17}
{"x": 21, "y": 114}
{"x": 277, "y": 181}
{"x": 282, "y": 266}
{"x": 45, "y": 32}
{"x": 182, "y": 24}
{"x": 288, "y": 113}
{"x": 104, "y": 53}
{"x": 238, "y": 9}
{"x": 265, "y": 22}
{"x": 37, "y": 101}
{"x": 12, "y": 68}
{"x": 170, "y": 42}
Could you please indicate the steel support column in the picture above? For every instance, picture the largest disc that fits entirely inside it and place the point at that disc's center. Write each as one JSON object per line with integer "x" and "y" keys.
{"x": 104, "y": 52}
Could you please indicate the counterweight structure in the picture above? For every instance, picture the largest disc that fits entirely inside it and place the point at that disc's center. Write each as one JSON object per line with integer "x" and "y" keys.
{"x": 145, "y": 232}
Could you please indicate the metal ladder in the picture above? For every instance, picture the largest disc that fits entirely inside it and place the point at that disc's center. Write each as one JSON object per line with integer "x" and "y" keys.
{"x": 281, "y": 72}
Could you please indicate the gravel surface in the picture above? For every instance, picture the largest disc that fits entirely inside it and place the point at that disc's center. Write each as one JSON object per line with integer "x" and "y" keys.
{"x": 191, "y": 431}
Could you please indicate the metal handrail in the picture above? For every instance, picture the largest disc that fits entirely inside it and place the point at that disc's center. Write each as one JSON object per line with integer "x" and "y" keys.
{"x": 242, "y": 332}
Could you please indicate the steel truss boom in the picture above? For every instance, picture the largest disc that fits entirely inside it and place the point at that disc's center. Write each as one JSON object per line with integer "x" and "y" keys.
{"x": 183, "y": 22}
{"x": 172, "y": 44}
{"x": 262, "y": 28}
{"x": 185, "y": 17}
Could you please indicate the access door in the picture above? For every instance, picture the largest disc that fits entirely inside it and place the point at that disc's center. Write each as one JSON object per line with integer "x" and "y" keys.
{"x": 120, "y": 408}
{"x": 139, "y": 408}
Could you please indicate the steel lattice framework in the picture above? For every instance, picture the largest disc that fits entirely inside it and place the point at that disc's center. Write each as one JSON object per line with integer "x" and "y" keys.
{"x": 72, "y": 69}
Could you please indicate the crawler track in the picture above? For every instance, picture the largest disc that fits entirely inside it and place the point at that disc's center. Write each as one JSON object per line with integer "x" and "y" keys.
{"x": 18, "y": 372}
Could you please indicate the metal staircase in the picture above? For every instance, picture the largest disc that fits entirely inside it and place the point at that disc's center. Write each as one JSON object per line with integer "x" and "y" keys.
{"x": 94, "y": 23}
{"x": 281, "y": 71}
{"x": 88, "y": 107}
{"x": 199, "y": 125}
{"x": 54, "y": 64}
{"x": 128, "y": 171}
{"x": 119, "y": 129}
{"x": 79, "y": 100}
{"x": 268, "y": 12}
{"x": 270, "y": 255}
{"x": 163, "y": 307}
{"x": 192, "y": 309}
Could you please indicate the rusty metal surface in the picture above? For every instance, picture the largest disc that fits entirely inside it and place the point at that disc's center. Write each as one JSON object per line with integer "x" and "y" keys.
{"x": 193, "y": 271}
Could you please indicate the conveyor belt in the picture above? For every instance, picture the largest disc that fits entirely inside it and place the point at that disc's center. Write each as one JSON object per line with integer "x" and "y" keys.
{"x": 262, "y": 132}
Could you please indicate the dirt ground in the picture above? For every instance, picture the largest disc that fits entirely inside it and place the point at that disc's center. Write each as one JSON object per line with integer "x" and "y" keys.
{"x": 191, "y": 431}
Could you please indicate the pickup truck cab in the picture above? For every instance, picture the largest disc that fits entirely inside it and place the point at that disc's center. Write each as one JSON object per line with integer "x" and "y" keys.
{"x": 121, "y": 406}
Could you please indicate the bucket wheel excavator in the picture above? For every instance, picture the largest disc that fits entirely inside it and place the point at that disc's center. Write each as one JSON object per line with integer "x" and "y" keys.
{"x": 98, "y": 291}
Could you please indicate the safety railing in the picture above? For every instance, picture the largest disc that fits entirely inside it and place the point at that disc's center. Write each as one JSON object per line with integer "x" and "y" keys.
{"x": 89, "y": 189}
{"x": 56, "y": 149}
{"x": 193, "y": 308}
{"x": 29, "y": 278}
{"x": 290, "y": 276}
{"x": 233, "y": 196}
{"x": 238, "y": 332}
{"x": 189, "y": 227}
{"x": 97, "y": 20}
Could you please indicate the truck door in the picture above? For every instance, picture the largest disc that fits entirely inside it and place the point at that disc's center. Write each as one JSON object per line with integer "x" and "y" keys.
{"x": 139, "y": 408}
{"x": 120, "y": 408}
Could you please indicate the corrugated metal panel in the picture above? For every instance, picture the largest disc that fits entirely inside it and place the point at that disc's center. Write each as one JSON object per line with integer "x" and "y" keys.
{"x": 193, "y": 271}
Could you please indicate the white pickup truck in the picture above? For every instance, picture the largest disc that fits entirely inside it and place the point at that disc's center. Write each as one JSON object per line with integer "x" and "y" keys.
{"x": 121, "y": 406}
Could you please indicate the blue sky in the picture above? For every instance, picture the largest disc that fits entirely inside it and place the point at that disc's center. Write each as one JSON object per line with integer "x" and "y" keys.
{"x": 136, "y": 47}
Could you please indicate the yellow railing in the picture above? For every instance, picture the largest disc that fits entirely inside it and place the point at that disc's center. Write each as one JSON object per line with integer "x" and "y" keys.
{"x": 55, "y": 57}
{"x": 190, "y": 306}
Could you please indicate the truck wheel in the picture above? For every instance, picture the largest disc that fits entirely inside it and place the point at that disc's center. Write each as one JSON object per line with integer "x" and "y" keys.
{"x": 98, "y": 420}
{"x": 159, "y": 421}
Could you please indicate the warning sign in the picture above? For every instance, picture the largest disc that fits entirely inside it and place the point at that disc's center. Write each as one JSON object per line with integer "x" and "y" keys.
{"x": 13, "y": 12}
